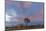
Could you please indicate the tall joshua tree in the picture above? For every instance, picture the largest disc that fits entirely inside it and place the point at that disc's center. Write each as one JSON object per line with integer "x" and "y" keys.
{"x": 26, "y": 20}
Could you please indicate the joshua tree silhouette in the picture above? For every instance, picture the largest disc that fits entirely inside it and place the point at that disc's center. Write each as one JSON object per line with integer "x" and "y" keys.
{"x": 26, "y": 20}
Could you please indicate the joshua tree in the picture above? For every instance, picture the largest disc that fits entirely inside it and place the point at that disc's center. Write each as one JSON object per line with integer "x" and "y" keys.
{"x": 26, "y": 20}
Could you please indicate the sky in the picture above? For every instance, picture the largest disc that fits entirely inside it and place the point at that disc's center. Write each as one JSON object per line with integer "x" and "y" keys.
{"x": 16, "y": 11}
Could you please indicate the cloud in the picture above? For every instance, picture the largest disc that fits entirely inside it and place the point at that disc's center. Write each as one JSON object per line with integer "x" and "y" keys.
{"x": 7, "y": 18}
